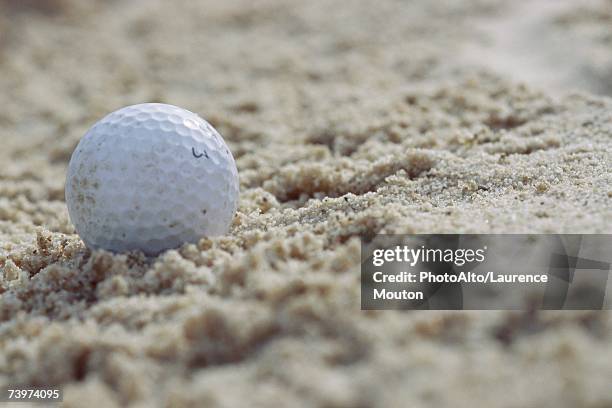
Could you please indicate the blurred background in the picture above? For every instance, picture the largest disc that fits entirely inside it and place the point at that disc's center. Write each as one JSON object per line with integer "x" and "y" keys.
{"x": 65, "y": 63}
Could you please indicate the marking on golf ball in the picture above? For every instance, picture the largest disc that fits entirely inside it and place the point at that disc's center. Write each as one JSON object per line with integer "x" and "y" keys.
{"x": 197, "y": 156}
{"x": 127, "y": 189}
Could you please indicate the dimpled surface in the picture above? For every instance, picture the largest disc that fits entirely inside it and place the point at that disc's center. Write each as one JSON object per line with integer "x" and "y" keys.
{"x": 151, "y": 177}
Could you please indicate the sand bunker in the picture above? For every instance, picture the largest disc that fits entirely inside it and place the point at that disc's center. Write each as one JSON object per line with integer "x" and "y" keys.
{"x": 346, "y": 120}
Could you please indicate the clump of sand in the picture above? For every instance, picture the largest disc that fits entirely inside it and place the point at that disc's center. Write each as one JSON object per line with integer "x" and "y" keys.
{"x": 345, "y": 121}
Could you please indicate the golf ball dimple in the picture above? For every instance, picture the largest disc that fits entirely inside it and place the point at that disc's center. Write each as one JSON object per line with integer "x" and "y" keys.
{"x": 151, "y": 177}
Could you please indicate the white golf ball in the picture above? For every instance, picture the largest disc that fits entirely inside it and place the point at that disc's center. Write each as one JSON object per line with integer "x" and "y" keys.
{"x": 151, "y": 177}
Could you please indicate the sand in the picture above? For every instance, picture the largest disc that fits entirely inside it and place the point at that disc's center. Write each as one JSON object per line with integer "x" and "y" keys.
{"x": 346, "y": 120}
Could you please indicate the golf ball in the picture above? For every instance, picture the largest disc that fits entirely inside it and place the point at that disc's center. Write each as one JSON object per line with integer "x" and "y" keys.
{"x": 151, "y": 177}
